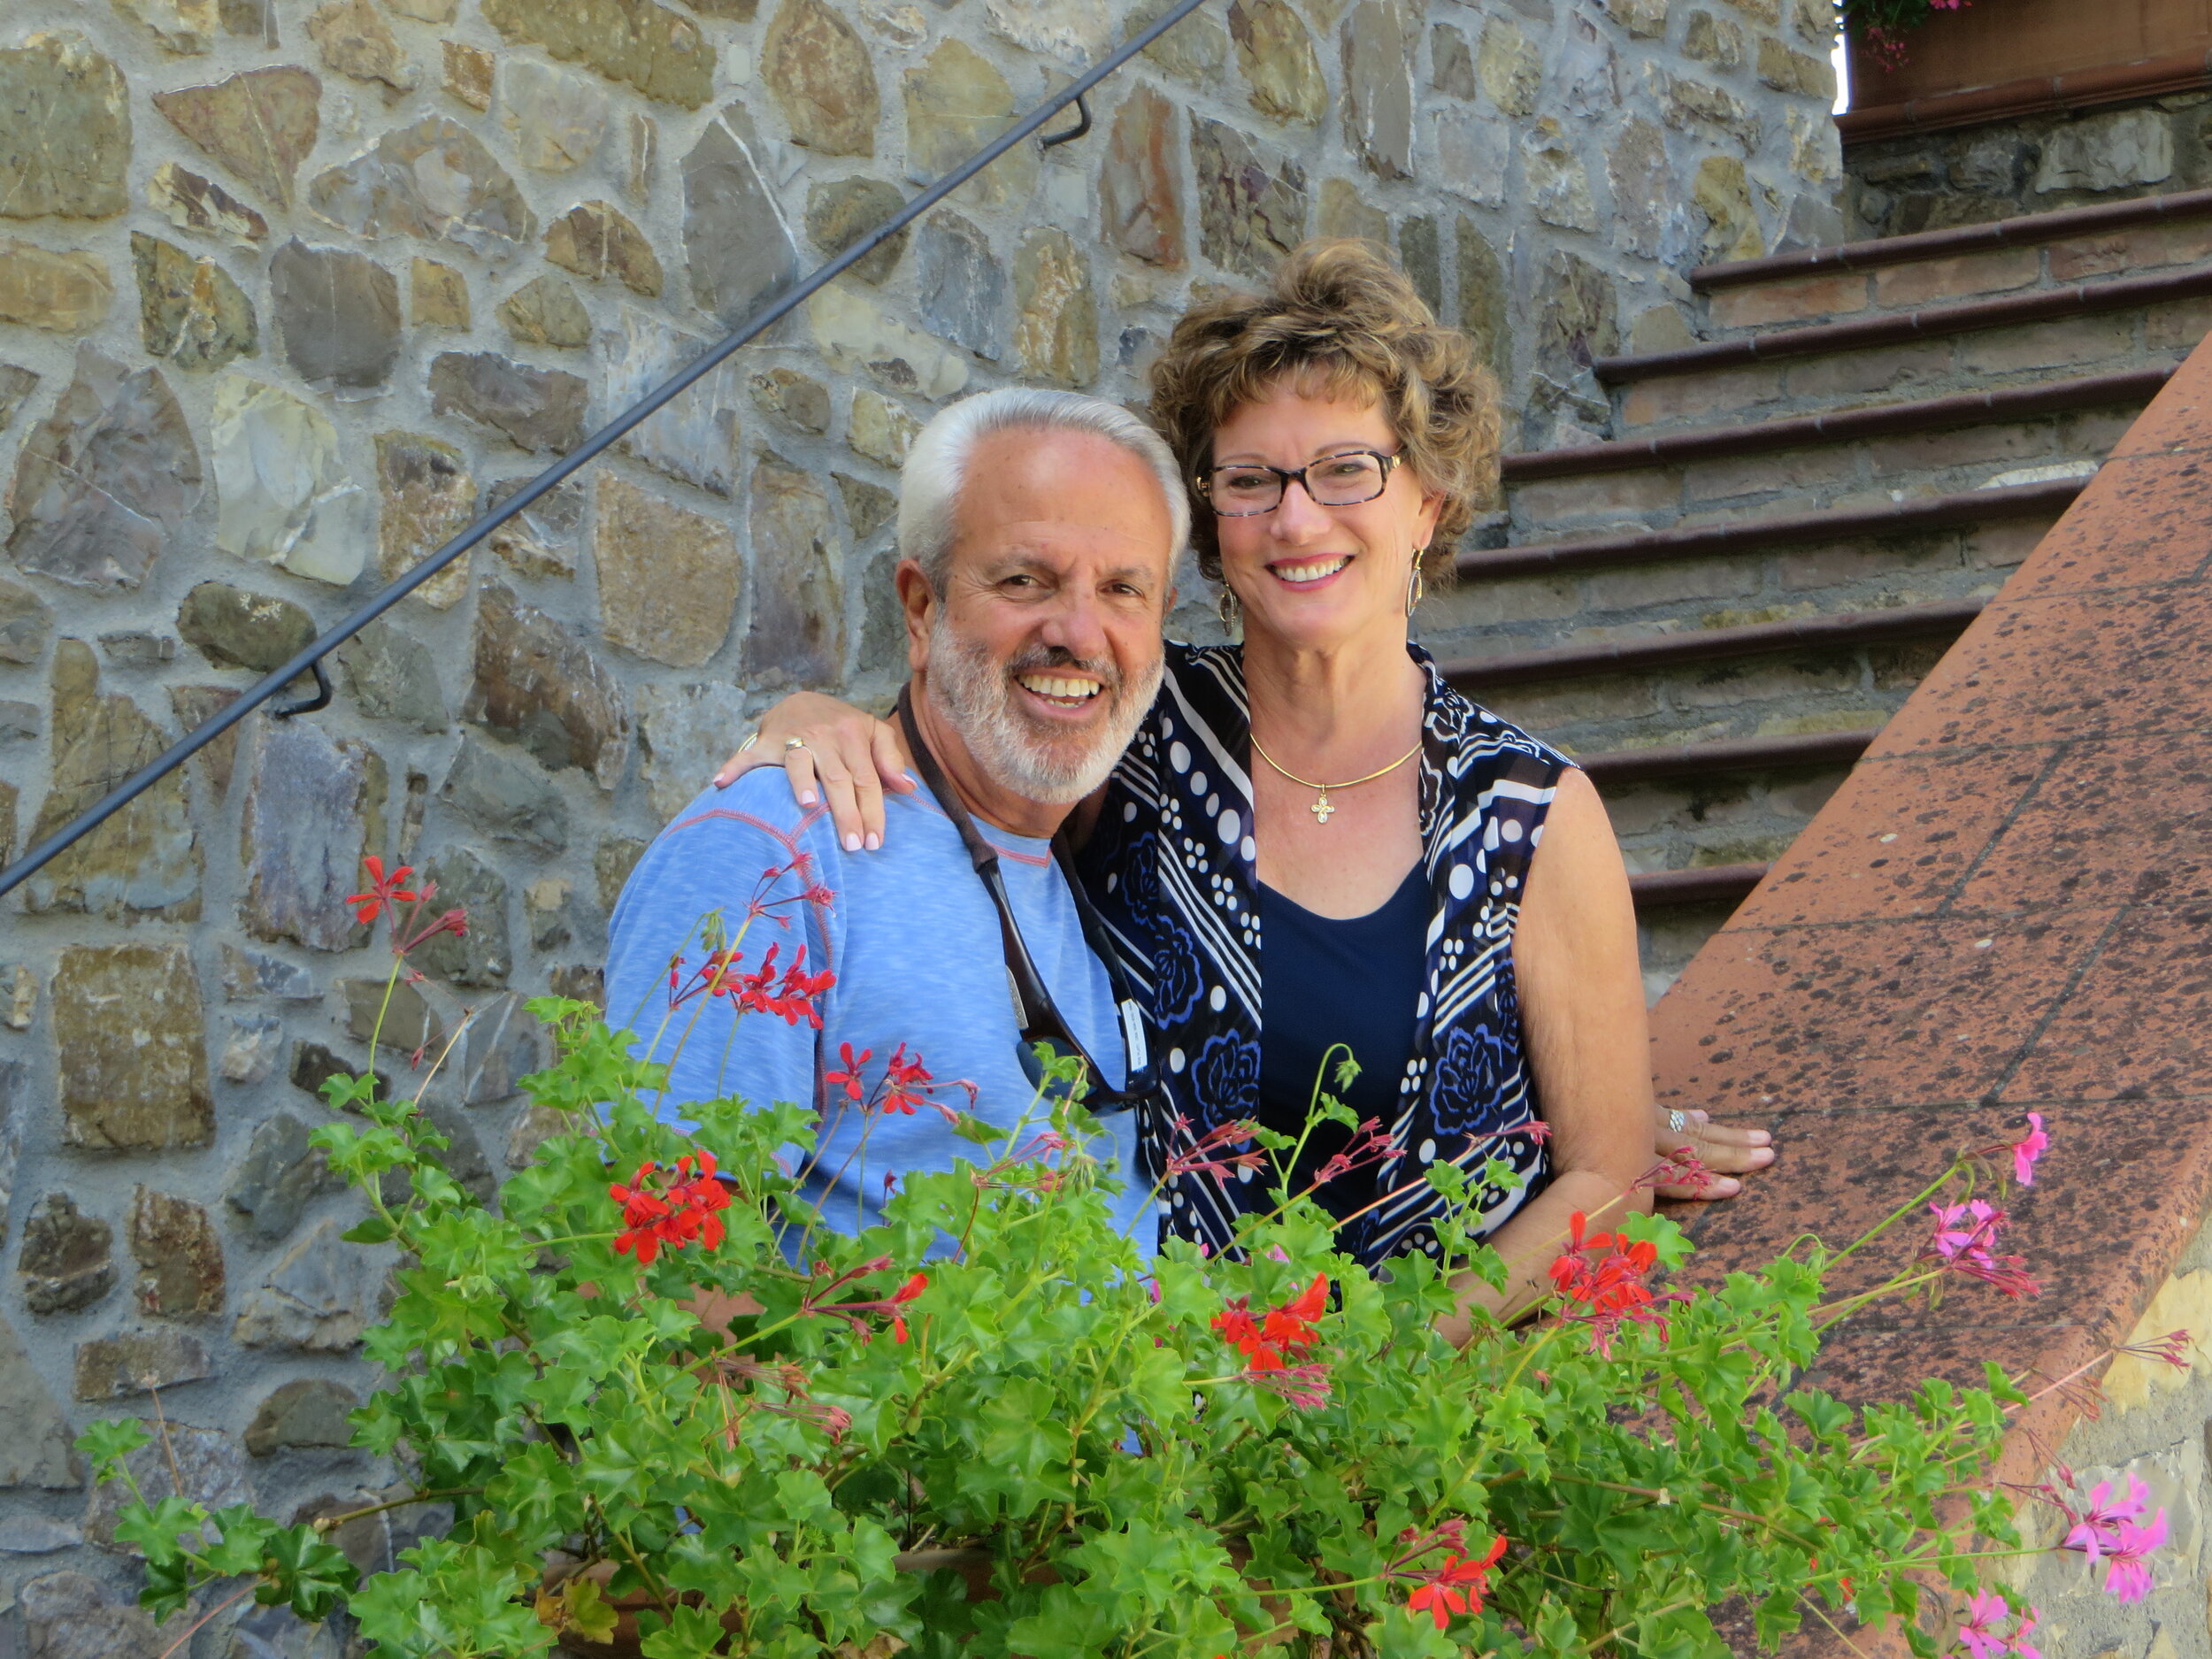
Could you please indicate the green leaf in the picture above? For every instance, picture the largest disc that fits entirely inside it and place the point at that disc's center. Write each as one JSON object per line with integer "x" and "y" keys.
{"x": 106, "y": 1442}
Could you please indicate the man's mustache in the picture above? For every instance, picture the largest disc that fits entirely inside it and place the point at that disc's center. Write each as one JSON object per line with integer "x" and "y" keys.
{"x": 1044, "y": 658}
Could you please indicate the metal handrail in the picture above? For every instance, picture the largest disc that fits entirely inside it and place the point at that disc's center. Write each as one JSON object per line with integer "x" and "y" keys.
{"x": 309, "y": 659}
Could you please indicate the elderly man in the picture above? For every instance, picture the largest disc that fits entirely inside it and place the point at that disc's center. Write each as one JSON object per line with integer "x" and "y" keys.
{"x": 1038, "y": 532}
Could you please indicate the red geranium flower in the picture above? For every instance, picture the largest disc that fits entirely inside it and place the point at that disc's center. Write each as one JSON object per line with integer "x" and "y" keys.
{"x": 385, "y": 892}
{"x": 681, "y": 1214}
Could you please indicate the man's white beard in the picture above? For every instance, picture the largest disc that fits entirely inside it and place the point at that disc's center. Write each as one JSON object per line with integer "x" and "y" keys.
{"x": 976, "y": 694}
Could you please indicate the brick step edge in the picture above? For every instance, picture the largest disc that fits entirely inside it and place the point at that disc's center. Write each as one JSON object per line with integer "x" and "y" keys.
{"x": 1880, "y": 420}
{"x": 1755, "y": 535}
{"x": 2021, "y": 228}
{"x": 1932, "y": 322}
{"x": 1614, "y": 768}
{"x": 1946, "y": 618}
{"x": 1720, "y": 884}
{"x": 2035, "y": 95}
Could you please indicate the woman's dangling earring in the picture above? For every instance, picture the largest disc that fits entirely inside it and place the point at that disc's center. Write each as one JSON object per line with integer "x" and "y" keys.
{"x": 1231, "y": 611}
{"x": 1416, "y": 589}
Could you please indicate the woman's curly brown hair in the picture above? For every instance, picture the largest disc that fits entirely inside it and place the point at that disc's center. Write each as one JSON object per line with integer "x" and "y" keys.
{"x": 1343, "y": 322}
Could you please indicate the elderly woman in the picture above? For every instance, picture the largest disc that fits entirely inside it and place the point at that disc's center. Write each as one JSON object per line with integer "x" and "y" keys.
{"x": 1315, "y": 825}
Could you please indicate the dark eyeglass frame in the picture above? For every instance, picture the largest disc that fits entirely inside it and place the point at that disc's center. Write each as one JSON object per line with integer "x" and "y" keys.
{"x": 1036, "y": 1015}
{"x": 1286, "y": 476}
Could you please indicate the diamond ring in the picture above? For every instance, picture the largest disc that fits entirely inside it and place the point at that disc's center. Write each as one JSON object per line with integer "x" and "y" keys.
{"x": 1678, "y": 1120}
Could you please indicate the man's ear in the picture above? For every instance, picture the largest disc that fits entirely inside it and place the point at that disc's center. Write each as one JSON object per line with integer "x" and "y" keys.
{"x": 919, "y": 601}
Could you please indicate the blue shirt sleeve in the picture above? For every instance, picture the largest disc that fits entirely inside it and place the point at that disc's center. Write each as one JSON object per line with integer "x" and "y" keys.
{"x": 704, "y": 873}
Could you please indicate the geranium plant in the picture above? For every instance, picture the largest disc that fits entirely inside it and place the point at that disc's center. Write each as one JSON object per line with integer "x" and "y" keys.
{"x": 677, "y": 1415}
{"x": 1883, "y": 25}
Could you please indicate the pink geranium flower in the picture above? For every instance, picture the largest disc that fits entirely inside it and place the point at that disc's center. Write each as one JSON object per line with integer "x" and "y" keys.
{"x": 2026, "y": 1150}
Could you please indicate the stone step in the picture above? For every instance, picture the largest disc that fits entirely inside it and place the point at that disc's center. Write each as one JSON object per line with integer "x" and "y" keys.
{"x": 1944, "y": 618}
{"x": 2013, "y": 340}
{"x": 1905, "y": 273}
{"x": 1616, "y": 769}
{"x": 2132, "y": 386}
{"x": 1716, "y": 884}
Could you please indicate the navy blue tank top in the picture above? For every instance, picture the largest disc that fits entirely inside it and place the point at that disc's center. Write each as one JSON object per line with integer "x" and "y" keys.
{"x": 1354, "y": 981}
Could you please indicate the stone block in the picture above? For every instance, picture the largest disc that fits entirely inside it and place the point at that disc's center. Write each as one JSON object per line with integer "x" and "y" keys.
{"x": 853, "y": 334}
{"x": 67, "y": 1261}
{"x": 1275, "y": 51}
{"x": 425, "y": 499}
{"x": 614, "y": 858}
{"x": 819, "y": 70}
{"x": 597, "y": 239}
{"x": 283, "y": 493}
{"x": 306, "y": 824}
{"x": 1672, "y": 583}
{"x": 1714, "y": 41}
{"x": 668, "y": 578}
{"x": 1473, "y": 155}
{"x": 259, "y": 124}
{"x": 1851, "y": 562}
{"x": 495, "y": 1048}
{"x": 35, "y": 1451}
{"x": 392, "y": 677}
{"x": 137, "y": 1362}
{"x": 538, "y": 683}
{"x": 16, "y": 386}
{"x": 1421, "y": 256}
{"x": 686, "y": 732}
{"x": 233, "y": 628}
{"x": 439, "y": 295}
{"x": 797, "y": 633}
{"x": 1140, "y": 196}
{"x": 394, "y": 1015}
{"x": 250, "y": 1052}
{"x": 1580, "y": 320}
{"x": 66, "y": 293}
{"x": 2058, "y": 343}
{"x": 1649, "y": 216}
{"x": 1376, "y": 43}
{"x": 1508, "y": 67}
{"x": 1551, "y": 708}
{"x": 739, "y": 248}
{"x": 2177, "y": 325}
{"x": 1920, "y": 363}
{"x": 545, "y": 312}
{"x": 356, "y": 41}
{"x": 1055, "y": 327}
{"x": 879, "y": 429}
{"x": 840, "y": 213}
{"x": 483, "y": 956}
{"x": 1075, "y": 34}
{"x": 69, "y": 1616}
{"x": 1793, "y": 470}
{"x": 195, "y": 706}
{"x": 313, "y": 1065}
{"x": 868, "y": 509}
{"x": 1722, "y": 193}
{"x": 2134, "y": 248}
{"x": 693, "y": 439}
{"x": 106, "y": 480}
{"x": 557, "y": 118}
{"x": 279, "y": 1176}
{"x": 18, "y": 983}
{"x": 1195, "y": 51}
{"x": 68, "y": 141}
{"x": 507, "y": 798}
{"x": 1794, "y": 72}
{"x": 319, "y": 1299}
{"x": 961, "y": 285}
{"x": 658, "y": 51}
{"x": 1607, "y": 496}
{"x": 468, "y": 73}
{"x": 434, "y": 180}
{"x": 1967, "y": 446}
{"x": 250, "y": 975}
{"x": 337, "y": 312}
{"x": 179, "y": 1258}
{"x": 2111, "y": 152}
{"x": 2002, "y": 545}
{"x": 206, "y": 1464}
{"x": 306, "y": 1411}
{"x": 1251, "y": 203}
{"x": 541, "y": 542}
{"x": 1691, "y": 105}
{"x": 957, "y": 103}
{"x": 1481, "y": 309}
{"x": 545, "y": 913}
{"x": 538, "y": 409}
{"x": 798, "y": 400}
{"x": 1740, "y": 684}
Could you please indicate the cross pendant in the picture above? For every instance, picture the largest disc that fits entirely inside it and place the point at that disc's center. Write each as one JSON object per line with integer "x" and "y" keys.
{"x": 1321, "y": 809}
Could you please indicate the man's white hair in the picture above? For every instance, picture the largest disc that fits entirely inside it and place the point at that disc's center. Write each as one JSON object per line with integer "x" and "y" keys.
{"x": 937, "y": 462}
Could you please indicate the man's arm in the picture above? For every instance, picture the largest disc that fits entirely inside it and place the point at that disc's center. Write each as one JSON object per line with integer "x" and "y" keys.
{"x": 693, "y": 894}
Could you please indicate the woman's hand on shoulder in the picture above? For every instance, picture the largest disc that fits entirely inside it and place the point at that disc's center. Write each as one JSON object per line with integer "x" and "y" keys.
{"x": 843, "y": 755}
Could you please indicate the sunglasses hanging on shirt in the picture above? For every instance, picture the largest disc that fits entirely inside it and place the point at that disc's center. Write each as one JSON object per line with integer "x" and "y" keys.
{"x": 1035, "y": 1013}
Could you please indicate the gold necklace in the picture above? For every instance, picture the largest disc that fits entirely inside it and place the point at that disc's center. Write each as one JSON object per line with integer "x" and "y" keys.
{"x": 1321, "y": 808}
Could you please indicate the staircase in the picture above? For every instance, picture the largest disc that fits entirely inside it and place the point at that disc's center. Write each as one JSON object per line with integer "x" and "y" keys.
{"x": 1716, "y": 608}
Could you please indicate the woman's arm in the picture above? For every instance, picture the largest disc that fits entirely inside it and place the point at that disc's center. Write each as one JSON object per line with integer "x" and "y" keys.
{"x": 1582, "y": 1013}
{"x": 849, "y": 757}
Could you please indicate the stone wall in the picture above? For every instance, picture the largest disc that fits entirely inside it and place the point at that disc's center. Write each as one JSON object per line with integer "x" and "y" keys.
{"x": 2029, "y": 165}
{"x": 287, "y": 294}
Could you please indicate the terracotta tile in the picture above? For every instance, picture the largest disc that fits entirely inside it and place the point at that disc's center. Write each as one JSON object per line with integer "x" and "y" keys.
{"x": 2179, "y": 416}
{"x": 1865, "y": 1014}
{"x": 2137, "y": 1023}
{"x": 2084, "y": 666}
{"x": 2124, "y": 820}
{"x": 2140, "y": 521}
{"x": 1897, "y": 838}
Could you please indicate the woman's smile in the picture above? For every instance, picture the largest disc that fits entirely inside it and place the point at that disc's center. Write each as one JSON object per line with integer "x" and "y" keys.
{"x": 1309, "y": 570}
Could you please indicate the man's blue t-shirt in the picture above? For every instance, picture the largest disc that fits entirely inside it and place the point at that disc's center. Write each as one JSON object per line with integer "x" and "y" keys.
{"x": 914, "y": 941}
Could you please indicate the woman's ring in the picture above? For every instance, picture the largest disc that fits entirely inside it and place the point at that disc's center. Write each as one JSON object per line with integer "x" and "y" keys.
{"x": 1678, "y": 1120}
{"x": 790, "y": 744}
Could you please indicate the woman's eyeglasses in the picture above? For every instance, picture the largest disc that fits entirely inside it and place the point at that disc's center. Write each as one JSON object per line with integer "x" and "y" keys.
{"x": 1246, "y": 488}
